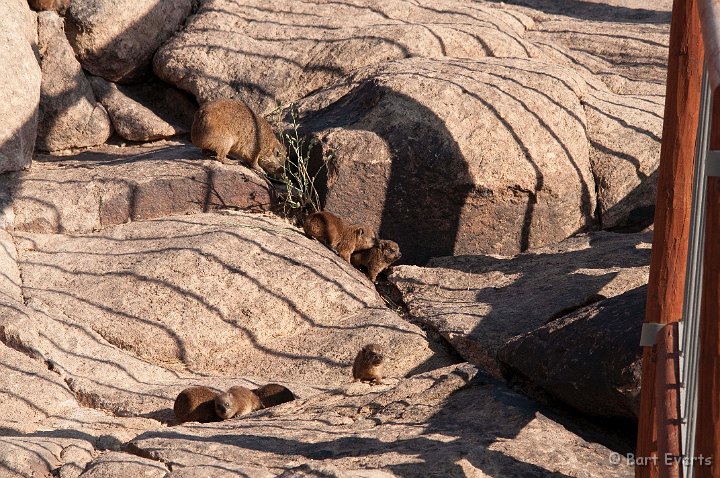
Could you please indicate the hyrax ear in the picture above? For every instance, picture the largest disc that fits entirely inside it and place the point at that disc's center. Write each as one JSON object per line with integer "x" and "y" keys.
{"x": 360, "y": 231}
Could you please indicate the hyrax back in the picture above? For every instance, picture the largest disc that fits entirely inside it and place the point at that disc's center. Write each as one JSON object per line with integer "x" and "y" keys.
{"x": 273, "y": 394}
{"x": 343, "y": 238}
{"x": 235, "y": 402}
{"x": 378, "y": 258}
{"x": 230, "y": 127}
{"x": 196, "y": 404}
{"x": 368, "y": 364}
{"x": 59, "y": 6}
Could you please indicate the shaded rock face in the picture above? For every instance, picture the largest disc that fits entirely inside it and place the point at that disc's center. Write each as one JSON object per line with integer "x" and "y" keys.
{"x": 486, "y": 156}
{"x": 117, "y": 39}
{"x": 589, "y": 359}
{"x": 146, "y": 112}
{"x": 69, "y": 115}
{"x": 111, "y": 185}
{"x": 226, "y": 294}
{"x": 357, "y": 427}
{"x": 478, "y": 303}
{"x": 19, "y": 85}
{"x": 283, "y": 51}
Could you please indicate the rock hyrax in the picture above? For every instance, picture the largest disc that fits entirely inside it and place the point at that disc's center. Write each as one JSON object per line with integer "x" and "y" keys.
{"x": 368, "y": 364}
{"x": 196, "y": 404}
{"x": 378, "y": 258}
{"x": 59, "y": 6}
{"x": 235, "y": 402}
{"x": 230, "y": 127}
{"x": 273, "y": 394}
{"x": 332, "y": 231}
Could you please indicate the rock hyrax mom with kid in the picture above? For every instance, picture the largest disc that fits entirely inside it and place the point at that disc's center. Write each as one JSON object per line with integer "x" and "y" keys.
{"x": 368, "y": 364}
{"x": 378, "y": 258}
{"x": 235, "y": 402}
{"x": 231, "y": 127}
{"x": 338, "y": 236}
{"x": 196, "y": 404}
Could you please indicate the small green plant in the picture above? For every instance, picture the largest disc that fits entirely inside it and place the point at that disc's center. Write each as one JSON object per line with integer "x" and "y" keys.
{"x": 300, "y": 196}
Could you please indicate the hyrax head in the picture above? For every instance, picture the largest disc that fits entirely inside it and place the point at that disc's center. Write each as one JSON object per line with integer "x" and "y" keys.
{"x": 373, "y": 354}
{"x": 274, "y": 157}
{"x": 225, "y": 405}
{"x": 366, "y": 238}
{"x": 390, "y": 250}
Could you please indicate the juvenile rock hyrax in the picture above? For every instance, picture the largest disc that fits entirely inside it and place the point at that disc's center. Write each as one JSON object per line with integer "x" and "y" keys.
{"x": 59, "y": 6}
{"x": 368, "y": 364}
{"x": 196, "y": 404}
{"x": 378, "y": 258}
{"x": 235, "y": 402}
{"x": 332, "y": 231}
{"x": 230, "y": 127}
{"x": 273, "y": 394}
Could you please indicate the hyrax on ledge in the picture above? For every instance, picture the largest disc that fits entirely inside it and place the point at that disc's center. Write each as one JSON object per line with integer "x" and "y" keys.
{"x": 230, "y": 127}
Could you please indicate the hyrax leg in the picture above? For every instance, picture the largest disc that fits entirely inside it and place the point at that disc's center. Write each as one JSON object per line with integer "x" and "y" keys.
{"x": 222, "y": 156}
{"x": 345, "y": 253}
{"x": 254, "y": 164}
{"x": 373, "y": 272}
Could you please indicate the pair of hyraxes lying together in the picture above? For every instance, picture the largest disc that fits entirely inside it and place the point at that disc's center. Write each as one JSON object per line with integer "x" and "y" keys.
{"x": 204, "y": 405}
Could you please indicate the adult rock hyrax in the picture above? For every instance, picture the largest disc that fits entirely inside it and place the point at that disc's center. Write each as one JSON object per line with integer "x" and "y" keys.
{"x": 59, "y": 6}
{"x": 368, "y": 364}
{"x": 378, "y": 258}
{"x": 196, "y": 404}
{"x": 342, "y": 238}
{"x": 230, "y": 127}
{"x": 235, "y": 402}
{"x": 273, "y": 394}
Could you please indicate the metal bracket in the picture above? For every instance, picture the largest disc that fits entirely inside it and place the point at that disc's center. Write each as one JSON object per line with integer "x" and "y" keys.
{"x": 712, "y": 163}
{"x": 649, "y": 333}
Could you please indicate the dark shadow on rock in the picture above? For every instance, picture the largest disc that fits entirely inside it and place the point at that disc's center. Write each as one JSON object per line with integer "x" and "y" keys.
{"x": 428, "y": 183}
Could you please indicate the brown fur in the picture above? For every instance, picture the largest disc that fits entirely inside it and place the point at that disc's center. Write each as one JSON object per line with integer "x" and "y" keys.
{"x": 196, "y": 404}
{"x": 378, "y": 258}
{"x": 273, "y": 394}
{"x": 332, "y": 231}
{"x": 59, "y": 6}
{"x": 237, "y": 401}
{"x": 230, "y": 127}
{"x": 368, "y": 364}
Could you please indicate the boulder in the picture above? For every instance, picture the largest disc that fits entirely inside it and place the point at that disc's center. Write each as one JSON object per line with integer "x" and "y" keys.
{"x": 478, "y": 303}
{"x": 116, "y": 39}
{"x": 627, "y": 52}
{"x": 227, "y": 294}
{"x": 362, "y": 431}
{"x": 282, "y": 51}
{"x": 69, "y": 115}
{"x": 19, "y": 85}
{"x": 146, "y": 112}
{"x": 589, "y": 359}
{"x": 100, "y": 376}
{"x": 470, "y": 156}
{"x": 111, "y": 185}
{"x": 624, "y": 133}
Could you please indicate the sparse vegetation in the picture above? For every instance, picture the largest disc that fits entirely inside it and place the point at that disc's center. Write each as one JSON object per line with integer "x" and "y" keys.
{"x": 299, "y": 196}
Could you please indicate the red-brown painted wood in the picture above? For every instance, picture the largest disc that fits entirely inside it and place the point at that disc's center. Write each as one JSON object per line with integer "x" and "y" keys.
{"x": 672, "y": 208}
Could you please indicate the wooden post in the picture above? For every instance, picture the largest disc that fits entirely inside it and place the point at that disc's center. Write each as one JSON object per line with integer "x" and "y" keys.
{"x": 667, "y": 396}
{"x": 672, "y": 208}
{"x": 707, "y": 438}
